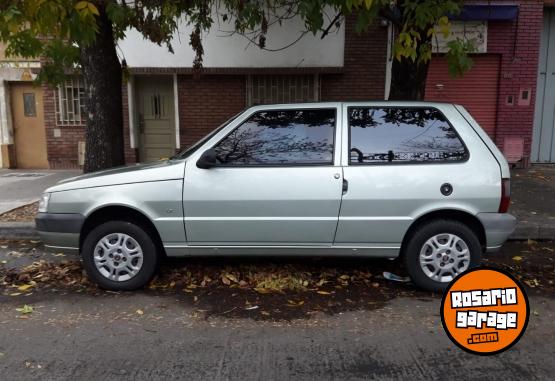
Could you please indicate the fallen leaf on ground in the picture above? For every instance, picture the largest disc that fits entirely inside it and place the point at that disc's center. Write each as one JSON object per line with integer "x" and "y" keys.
{"x": 323, "y": 292}
{"x": 532, "y": 283}
{"x": 517, "y": 258}
{"x": 292, "y": 303}
{"x": 26, "y": 309}
{"x": 24, "y": 287}
{"x": 140, "y": 312}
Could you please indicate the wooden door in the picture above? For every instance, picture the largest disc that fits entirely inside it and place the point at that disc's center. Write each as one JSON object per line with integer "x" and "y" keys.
{"x": 156, "y": 118}
{"x": 28, "y": 125}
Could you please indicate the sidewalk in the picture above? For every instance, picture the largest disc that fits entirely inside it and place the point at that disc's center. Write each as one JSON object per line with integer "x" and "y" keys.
{"x": 532, "y": 202}
{"x": 20, "y": 187}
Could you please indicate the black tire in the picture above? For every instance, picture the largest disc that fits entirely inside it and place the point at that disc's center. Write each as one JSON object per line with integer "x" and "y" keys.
{"x": 140, "y": 235}
{"x": 416, "y": 241}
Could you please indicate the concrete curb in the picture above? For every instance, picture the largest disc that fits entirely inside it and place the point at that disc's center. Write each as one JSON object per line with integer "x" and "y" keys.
{"x": 18, "y": 230}
{"x": 533, "y": 231}
{"x": 26, "y": 230}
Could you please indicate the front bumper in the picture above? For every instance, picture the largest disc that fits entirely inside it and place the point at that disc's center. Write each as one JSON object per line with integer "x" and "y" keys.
{"x": 498, "y": 228}
{"x": 60, "y": 231}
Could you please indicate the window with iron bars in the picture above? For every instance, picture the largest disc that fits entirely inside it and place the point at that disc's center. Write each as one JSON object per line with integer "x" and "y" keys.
{"x": 268, "y": 89}
{"x": 70, "y": 102}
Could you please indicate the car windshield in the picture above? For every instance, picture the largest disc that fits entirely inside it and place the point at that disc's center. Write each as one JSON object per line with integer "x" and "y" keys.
{"x": 190, "y": 150}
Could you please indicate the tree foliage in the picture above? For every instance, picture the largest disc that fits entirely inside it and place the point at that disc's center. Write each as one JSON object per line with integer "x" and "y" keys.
{"x": 57, "y": 29}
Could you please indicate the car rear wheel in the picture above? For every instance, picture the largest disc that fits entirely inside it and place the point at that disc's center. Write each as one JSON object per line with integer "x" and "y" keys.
{"x": 439, "y": 251}
{"x": 119, "y": 255}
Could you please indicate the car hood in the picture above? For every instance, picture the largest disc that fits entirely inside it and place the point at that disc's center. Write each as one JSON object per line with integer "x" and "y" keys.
{"x": 139, "y": 173}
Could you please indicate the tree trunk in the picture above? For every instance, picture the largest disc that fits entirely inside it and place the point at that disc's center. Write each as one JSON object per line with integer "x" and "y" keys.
{"x": 102, "y": 76}
{"x": 408, "y": 80}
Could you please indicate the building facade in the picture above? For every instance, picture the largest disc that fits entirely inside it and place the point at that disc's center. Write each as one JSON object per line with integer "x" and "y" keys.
{"x": 167, "y": 107}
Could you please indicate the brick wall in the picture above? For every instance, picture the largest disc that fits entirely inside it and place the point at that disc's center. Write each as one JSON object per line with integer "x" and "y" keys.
{"x": 63, "y": 151}
{"x": 206, "y": 102}
{"x": 363, "y": 76}
{"x": 519, "y": 70}
{"x": 518, "y": 43}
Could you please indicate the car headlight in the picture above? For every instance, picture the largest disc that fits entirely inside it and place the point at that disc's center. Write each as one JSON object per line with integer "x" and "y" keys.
{"x": 43, "y": 203}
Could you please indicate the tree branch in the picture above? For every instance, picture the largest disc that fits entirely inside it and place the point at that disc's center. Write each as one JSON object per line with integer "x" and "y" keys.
{"x": 332, "y": 23}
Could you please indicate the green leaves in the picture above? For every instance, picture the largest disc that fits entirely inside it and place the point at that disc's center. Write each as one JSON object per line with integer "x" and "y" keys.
{"x": 86, "y": 7}
{"x": 457, "y": 57}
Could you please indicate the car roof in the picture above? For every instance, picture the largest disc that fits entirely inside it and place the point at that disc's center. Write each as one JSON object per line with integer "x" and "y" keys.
{"x": 381, "y": 103}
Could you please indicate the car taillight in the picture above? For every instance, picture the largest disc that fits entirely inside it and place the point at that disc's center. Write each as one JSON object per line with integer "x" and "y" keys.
{"x": 505, "y": 195}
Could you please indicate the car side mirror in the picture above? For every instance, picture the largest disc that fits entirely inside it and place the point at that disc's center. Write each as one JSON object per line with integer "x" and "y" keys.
{"x": 207, "y": 160}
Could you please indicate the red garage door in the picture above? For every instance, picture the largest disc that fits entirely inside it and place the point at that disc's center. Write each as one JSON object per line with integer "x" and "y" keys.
{"x": 477, "y": 90}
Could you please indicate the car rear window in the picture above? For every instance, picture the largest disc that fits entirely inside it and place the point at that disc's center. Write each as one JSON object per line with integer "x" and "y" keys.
{"x": 281, "y": 137}
{"x": 402, "y": 135}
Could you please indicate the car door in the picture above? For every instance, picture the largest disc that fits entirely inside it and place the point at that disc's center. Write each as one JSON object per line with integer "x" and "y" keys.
{"x": 396, "y": 160}
{"x": 278, "y": 181}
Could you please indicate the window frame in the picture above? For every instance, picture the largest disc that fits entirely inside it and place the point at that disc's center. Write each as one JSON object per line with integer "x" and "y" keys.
{"x": 332, "y": 163}
{"x": 411, "y": 162}
{"x": 316, "y": 85}
{"x": 61, "y": 102}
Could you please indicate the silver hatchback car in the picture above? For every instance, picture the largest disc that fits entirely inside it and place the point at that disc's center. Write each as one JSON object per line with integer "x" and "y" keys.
{"x": 419, "y": 181}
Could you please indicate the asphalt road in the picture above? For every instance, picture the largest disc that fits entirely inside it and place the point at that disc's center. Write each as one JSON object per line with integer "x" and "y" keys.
{"x": 150, "y": 335}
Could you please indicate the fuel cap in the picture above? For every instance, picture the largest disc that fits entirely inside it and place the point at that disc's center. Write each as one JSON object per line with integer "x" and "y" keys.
{"x": 446, "y": 189}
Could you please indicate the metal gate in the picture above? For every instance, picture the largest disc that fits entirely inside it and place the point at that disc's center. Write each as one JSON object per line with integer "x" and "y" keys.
{"x": 477, "y": 90}
{"x": 543, "y": 142}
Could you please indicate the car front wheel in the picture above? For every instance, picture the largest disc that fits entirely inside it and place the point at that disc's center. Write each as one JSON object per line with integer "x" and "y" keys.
{"x": 439, "y": 251}
{"x": 120, "y": 256}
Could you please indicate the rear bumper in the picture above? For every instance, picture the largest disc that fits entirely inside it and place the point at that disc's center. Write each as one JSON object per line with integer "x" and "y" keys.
{"x": 498, "y": 228}
{"x": 60, "y": 231}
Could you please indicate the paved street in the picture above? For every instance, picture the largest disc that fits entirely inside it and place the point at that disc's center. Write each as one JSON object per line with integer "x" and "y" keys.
{"x": 20, "y": 187}
{"x": 381, "y": 330}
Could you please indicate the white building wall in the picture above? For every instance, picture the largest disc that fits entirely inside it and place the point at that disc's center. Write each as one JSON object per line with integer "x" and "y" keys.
{"x": 222, "y": 50}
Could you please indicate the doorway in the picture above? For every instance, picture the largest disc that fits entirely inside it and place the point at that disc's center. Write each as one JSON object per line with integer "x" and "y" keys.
{"x": 156, "y": 117}
{"x": 28, "y": 125}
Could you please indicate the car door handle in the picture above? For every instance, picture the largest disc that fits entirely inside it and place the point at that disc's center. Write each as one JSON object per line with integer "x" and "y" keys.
{"x": 345, "y": 186}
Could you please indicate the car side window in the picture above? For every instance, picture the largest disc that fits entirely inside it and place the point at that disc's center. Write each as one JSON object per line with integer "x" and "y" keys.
{"x": 402, "y": 135}
{"x": 281, "y": 137}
